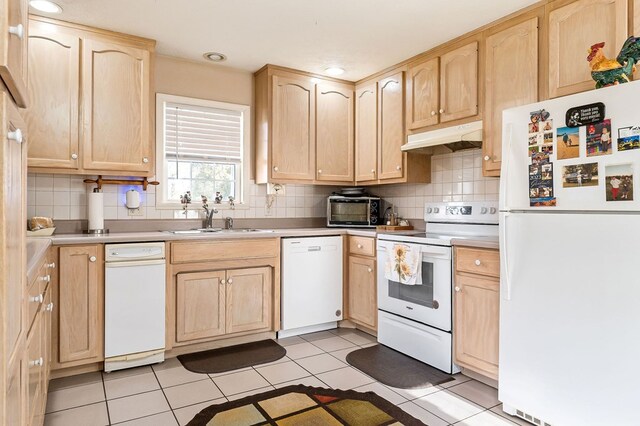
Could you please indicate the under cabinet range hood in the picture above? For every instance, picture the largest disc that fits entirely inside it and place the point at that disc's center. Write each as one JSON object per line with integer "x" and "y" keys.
{"x": 456, "y": 138}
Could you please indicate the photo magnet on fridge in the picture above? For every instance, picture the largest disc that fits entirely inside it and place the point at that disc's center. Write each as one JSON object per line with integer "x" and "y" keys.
{"x": 579, "y": 175}
{"x": 542, "y": 202}
{"x": 541, "y": 182}
{"x": 599, "y": 138}
{"x": 585, "y": 114}
{"x": 568, "y": 142}
{"x": 628, "y": 138}
{"x": 619, "y": 182}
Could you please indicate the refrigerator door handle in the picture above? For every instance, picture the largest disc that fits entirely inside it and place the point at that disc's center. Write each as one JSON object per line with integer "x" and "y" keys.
{"x": 505, "y": 277}
{"x": 506, "y": 157}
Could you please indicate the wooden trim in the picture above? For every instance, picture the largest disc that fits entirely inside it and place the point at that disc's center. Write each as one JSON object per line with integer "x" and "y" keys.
{"x": 272, "y": 69}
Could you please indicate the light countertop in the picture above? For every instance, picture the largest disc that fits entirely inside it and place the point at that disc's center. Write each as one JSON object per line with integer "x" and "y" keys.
{"x": 36, "y": 249}
{"x": 478, "y": 242}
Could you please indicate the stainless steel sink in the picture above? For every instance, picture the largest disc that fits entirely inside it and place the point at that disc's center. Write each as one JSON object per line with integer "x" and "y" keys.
{"x": 217, "y": 230}
{"x": 245, "y": 230}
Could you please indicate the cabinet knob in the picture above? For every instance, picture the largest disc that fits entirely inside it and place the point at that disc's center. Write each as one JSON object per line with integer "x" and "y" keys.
{"x": 369, "y": 270}
{"x": 15, "y": 136}
{"x": 37, "y": 299}
{"x": 74, "y": 156}
{"x": 92, "y": 259}
{"x": 359, "y": 246}
{"x": 477, "y": 262}
{"x": 442, "y": 111}
{"x": 230, "y": 281}
{"x": 433, "y": 113}
{"x": 49, "y": 307}
{"x": 398, "y": 167}
{"x": 51, "y": 265}
{"x": 36, "y": 362}
{"x": 222, "y": 281}
{"x": 373, "y": 171}
{"x": 275, "y": 168}
{"x": 487, "y": 158}
{"x": 46, "y": 278}
{"x": 319, "y": 171}
{"x": 457, "y": 289}
{"x": 17, "y": 31}
{"x": 145, "y": 160}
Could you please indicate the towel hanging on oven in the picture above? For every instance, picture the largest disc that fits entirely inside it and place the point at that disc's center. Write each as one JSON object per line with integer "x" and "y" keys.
{"x": 404, "y": 264}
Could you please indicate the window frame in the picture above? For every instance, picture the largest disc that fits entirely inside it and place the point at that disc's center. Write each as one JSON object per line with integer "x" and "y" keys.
{"x": 161, "y": 171}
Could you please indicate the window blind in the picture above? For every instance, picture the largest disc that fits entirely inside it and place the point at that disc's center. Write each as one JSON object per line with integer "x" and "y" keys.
{"x": 195, "y": 133}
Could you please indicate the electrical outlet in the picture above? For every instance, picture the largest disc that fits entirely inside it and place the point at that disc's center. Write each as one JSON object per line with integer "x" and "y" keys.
{"x": 135, "y": 212}
{"x": 275, "y": 189}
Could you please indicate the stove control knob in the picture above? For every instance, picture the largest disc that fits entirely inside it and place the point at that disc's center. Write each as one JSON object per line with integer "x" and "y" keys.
{"x": 429, "y": 210}
{"x": 483, "y": 210}
{"x": 436, "y": 210}
{"x": 492, "y": 210}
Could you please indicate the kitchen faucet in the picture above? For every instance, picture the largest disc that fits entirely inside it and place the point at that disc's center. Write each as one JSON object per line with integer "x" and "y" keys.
{"x": 208, "y": 222}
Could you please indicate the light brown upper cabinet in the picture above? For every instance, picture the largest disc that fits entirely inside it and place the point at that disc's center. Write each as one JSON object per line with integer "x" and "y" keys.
{"x": 573, "y": 28}
{"x": 334, "y": 132}
{"x": 304, "y": 128}
{"x": 13, "y": 48}
{"x": 391, "y": 126}
{"x": 511, "y": 79}
{"x": 54, "y": 75}
{"x": 366, "y": 124}
{"x": 423, "y": 94}
{"x": 90, "y": 100}
{"x": 442, "y": 89}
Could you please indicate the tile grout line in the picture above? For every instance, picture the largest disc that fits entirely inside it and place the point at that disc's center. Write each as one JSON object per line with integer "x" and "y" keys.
{"x": 165, "y": 395}
{"x": 106, "y": 404}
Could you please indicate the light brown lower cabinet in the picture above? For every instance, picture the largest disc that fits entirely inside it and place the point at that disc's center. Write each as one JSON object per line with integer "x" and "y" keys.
{"x": 217, "y": 303}
{"x": 361, "y": 298}
{"x": 477, "y": 312}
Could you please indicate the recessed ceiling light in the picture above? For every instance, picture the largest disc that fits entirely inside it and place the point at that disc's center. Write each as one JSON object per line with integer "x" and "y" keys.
{"x": 334, "y": 71}
{"x": 214, "y": 56}
{"x": 45, "y": 6}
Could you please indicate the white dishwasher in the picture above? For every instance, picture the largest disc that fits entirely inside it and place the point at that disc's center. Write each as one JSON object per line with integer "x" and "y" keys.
{"x": 311, "y": 284}
{"x": 134, "y": 308}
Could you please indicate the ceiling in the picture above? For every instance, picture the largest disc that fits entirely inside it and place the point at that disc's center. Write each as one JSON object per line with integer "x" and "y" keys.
{"x": 361, "y": 36}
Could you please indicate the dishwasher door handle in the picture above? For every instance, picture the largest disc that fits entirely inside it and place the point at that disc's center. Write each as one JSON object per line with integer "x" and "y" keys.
{"x": 314, "y": 248}
{"x": 125, "y": 264}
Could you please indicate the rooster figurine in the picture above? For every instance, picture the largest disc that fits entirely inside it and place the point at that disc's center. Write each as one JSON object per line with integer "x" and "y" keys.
{"x": 607, "y": 72}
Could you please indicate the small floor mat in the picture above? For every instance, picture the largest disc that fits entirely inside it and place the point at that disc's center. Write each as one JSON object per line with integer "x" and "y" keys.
{"x": 233, "y": 357}
{"x": 395, "y": 369}
{"x": 303, "y": 405}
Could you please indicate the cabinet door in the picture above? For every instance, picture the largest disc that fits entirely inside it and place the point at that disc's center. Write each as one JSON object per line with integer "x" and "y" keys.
{"x": 367, "y": 133}
{"x": 35, "y": 361}
{"x": 200, "y": 305}
{"x": 248, "y": 299}
{"x": 47, "y": 319}
{"x": 81, "y": 305}
{"x": 334, "y": 133}
{"x": 13, "y": 48}
{"x": 476, "y": 324}
{"x": 54, "y": 79}
{"x": 362, "y": 291}
{"x": 423, "y": 92}
{"x": 573, "y": 29}
{"x": 391, "y": 126}
{"x": 115, "y": 98}
{"x": 13, "y": 216}
{"x": 293, "y": 133}
{"x": 16, "y": 392}
{"x": 459, "y": 83}
{"x": 511, "y": 68}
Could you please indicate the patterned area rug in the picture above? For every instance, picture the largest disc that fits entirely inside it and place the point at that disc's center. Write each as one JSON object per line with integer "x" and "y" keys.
{"x": 304, "y": 405}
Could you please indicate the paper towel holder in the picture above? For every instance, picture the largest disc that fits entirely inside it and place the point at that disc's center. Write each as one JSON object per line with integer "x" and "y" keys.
{"x": 96, "y": 231}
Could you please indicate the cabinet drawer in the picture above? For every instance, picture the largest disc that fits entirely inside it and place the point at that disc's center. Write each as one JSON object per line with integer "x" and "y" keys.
{"x": 206, "y": 251}
{"x": 35, "y": 296}
{"x": 478, "y": 261}
{"x": 364, "y": 246}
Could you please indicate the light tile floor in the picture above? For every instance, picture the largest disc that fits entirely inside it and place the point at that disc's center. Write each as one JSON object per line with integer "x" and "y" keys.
{"x": 168, "y": 394}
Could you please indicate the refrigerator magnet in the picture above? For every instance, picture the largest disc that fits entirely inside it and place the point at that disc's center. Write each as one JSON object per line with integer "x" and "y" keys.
{"x": 619, "y": 182}
{"x": 628, "y": 138}
{"x": 599, "y": 138}
{"x": 585, "y": 114}
{"x": 568, "y": 143}
{"x": 579, "y": 175}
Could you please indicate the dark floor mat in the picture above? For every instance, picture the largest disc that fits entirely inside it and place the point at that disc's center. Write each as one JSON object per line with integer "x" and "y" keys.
{"x": 233, "y": 357}
{"x": 395, "y": 369}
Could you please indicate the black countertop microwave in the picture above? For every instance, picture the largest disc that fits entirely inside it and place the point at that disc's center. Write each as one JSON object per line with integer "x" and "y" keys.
{"x": 350, "y": 212}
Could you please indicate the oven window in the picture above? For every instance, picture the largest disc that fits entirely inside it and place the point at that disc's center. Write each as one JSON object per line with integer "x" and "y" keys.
{"x": 350, "y": 212}
{"x": 418, "y": 294}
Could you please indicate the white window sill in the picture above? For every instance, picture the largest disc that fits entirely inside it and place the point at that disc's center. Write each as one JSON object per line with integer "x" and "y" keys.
{"x": 193, "y": 206}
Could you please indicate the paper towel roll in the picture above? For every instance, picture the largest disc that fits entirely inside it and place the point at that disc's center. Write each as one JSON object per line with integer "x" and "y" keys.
{"x": 133, "y": 199}
{"x": 95, "y": 205}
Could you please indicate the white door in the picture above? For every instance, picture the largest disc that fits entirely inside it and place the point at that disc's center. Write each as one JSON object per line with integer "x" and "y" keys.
{"x": 619, "y": 108}
{"x": 312, "y": 281}
{"x": 429, "y": 302}
{"x": 569, "y": 316}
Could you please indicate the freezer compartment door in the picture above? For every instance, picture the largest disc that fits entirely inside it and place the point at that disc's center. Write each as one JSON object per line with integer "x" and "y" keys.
{"x": 569, "y": 317}
{"x": 311, "y": 281}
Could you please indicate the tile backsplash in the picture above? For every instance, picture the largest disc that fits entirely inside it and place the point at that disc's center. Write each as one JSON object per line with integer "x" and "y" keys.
{"x": 455, "y": 177}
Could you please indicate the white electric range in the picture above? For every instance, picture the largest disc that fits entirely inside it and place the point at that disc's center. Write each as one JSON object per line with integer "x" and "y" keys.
{"x": 416, "y": 319}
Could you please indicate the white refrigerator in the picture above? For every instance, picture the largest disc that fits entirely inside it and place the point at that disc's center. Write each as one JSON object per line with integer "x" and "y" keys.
{"x": 570, "y": 272}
